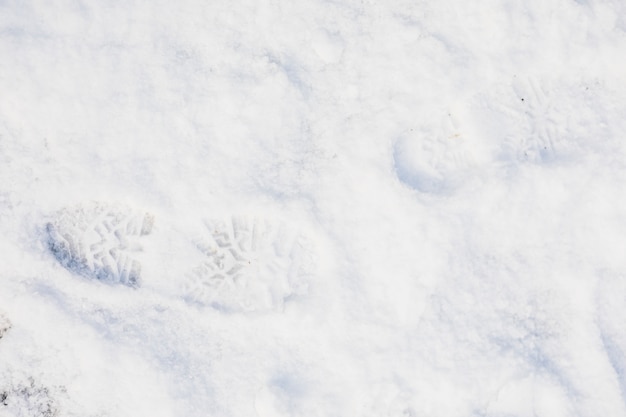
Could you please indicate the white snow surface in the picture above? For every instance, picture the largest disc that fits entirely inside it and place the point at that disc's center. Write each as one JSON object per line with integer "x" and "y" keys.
{"x": 350, "y": 208}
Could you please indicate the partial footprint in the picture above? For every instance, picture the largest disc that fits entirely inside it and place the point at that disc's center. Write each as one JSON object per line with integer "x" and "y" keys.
{"x": 97, "y": 240}
{"x": 543, "y": 122}
{"x": 433, "y": 159}
{"x": 527, "y": 121}
{"x": 250, "y": 264}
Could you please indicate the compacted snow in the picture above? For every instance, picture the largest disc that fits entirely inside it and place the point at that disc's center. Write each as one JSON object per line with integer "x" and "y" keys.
{"x": 313, "y": 208}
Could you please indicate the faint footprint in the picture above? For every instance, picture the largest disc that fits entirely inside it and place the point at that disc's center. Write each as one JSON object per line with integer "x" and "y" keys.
{"x": 541, "y": 143}
{"x": 97, "y": 240}
{"x": 432, "y": 159}
{"x": 526, "y": 121}
{"x": 250, "y": 264}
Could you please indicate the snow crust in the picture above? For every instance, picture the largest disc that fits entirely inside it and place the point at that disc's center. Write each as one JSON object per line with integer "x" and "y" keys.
{"x": 357, "y": 208}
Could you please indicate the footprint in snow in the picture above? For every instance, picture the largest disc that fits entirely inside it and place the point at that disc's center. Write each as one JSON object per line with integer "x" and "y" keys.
{"x": 98, "y": 240}
{"x": 433, "y": 159}
{"x": 249, "y": 264}
{"x": 529, "y": 120}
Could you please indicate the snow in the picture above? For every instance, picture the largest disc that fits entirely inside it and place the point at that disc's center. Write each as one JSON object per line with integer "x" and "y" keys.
{"x": 399, "y": 208}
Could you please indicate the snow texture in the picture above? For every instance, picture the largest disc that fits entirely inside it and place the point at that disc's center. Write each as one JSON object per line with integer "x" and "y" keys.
{"x": 5, "y": 325}
{"x": 323, "y": 208}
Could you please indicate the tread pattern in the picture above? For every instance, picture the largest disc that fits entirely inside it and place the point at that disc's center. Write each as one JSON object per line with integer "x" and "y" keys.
{"x": 526, "y": 120}
{"x": 97, "y": 240}
{"x": 249, "y": 264}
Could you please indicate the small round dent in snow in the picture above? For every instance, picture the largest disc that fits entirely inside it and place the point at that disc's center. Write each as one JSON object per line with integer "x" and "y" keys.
{"x": 250, "y": 264}
{"x": 98, "y": 240}
{"x": 433, "y": 160}
{"x": 415, "y": 173}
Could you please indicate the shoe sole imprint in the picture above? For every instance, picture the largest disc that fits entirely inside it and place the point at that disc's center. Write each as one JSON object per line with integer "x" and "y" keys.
{"x": 526, "y": 121}
{"x": 541, "y": 140}
{"x": 250, "y": 264}
{"x": 97, "y": 240}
